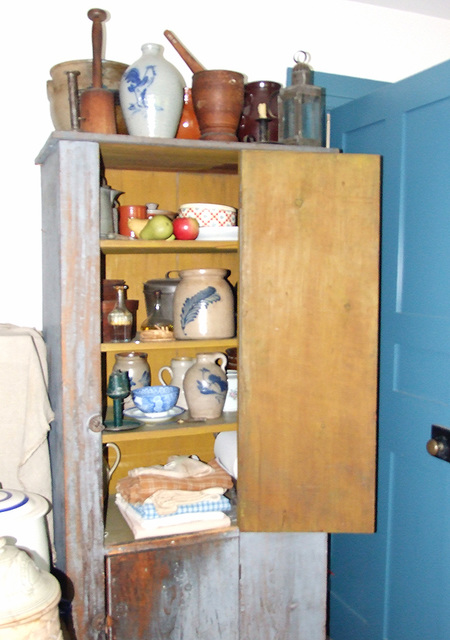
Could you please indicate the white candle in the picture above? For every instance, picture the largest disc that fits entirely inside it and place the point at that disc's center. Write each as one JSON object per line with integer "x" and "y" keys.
{"x": 262, "y": 110}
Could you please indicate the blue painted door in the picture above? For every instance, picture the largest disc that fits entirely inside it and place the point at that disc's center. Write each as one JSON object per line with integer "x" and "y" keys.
{"x": 395, "y": 584}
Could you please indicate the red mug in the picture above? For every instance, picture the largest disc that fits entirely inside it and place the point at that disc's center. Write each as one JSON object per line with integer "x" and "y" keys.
{"x": 127, "y": 211}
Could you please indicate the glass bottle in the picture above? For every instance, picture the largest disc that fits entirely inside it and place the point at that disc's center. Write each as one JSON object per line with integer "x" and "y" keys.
{"x": 156, "y": 326}
{"x": 120, "y": 318}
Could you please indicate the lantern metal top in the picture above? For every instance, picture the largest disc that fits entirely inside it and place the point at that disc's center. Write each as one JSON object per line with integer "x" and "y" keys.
{"x": 302, "y": 72}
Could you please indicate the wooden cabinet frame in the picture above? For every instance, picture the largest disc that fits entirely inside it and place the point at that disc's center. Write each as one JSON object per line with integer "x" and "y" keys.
{"x": 308, "y": 314}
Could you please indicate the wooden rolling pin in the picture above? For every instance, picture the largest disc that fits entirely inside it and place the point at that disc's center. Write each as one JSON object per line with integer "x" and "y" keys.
{"x": 97, "y": 113}
{"x": 193, "y": 64}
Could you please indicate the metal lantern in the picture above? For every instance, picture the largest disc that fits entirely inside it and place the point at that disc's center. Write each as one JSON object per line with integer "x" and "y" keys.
{"x": 301, "y": 107}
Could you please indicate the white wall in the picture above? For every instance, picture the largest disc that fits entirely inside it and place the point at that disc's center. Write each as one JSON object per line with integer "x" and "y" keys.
{"x": 342, "y": 36}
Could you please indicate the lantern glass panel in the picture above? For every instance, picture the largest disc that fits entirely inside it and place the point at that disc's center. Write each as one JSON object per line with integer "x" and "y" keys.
{"x": 301, "y": 115}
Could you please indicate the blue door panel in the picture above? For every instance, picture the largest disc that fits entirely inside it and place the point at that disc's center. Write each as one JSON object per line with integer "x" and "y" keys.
{"x": 395, "y": 584}
{"x": 426, "y": 242}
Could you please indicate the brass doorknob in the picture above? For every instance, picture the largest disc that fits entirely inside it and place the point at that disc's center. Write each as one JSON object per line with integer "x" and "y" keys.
{"x": 439, "y": 444}
{"x": 434, "y": 447}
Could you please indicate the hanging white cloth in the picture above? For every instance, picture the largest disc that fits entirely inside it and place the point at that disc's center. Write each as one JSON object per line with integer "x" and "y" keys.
{"x": 25, "y": 414}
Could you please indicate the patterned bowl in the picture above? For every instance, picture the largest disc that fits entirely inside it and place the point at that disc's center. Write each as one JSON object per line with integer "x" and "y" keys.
{"x": 155, "y": 399}
{"x": 209, "y": 215}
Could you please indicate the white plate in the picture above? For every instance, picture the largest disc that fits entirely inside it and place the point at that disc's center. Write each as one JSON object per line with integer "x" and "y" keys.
{"x": 218, "y": 233}
{"x": 163, "y": 416}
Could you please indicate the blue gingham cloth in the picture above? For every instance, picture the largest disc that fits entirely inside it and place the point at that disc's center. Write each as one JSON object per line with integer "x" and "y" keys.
{"x": 149, "y": 512}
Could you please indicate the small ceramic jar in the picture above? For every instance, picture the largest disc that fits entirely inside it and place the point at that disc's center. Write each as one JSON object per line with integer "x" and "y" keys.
{"x": 136, "y": 365}
{"x": 203, "y": 305}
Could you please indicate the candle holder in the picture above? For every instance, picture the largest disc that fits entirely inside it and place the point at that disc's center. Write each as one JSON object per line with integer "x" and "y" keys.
{"x": 118, "y": 389}
{"x": 263, "y": 129}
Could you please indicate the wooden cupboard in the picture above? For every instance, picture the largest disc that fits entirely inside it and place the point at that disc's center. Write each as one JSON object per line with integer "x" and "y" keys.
{"x": 306, "y": 266}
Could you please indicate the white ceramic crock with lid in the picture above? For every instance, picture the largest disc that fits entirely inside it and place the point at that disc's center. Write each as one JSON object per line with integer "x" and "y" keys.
{"x": 28, "y": 597}
{"x": 22, "y": 520}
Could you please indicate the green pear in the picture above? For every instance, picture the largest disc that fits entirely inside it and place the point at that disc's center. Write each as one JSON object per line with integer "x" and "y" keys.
{"x": 158, "y": 227}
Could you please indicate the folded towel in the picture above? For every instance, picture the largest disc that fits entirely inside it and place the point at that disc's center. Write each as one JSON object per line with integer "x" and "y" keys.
{"x": 176, "y": 467}
{"x": 170, "y": 525}
{"x": 149, "y": 510}
{"x": 135, "y": 489}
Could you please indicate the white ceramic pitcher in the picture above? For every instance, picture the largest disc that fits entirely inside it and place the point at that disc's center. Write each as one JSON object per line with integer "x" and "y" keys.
{"x": 177, "y": 371}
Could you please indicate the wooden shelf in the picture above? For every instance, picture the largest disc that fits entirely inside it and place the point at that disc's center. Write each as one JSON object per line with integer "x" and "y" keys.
{"x": 182, "y": 426}
{"x": 124, "y": 245}
{"x": 170, "y": 154}
{"x": 119, "y": 538}
{"x": 169, "y": 345}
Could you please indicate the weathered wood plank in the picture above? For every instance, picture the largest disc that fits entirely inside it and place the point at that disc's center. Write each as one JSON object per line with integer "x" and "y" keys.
{"x": 71, "y": 269}
{"x": 283, "y": 586}
{"x": 308, "y": 342}
{"x": 186, "y": 591}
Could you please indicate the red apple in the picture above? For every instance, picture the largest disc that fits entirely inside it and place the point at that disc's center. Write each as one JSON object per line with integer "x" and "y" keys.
{"x": 185, "y": 228}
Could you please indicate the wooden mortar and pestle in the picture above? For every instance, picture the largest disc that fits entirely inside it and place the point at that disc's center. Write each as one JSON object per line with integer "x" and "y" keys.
{"x": 217, "y": 95}
{"x": 97, "y": 113}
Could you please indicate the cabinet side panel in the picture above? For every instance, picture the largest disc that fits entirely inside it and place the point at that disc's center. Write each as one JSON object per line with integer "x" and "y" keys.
{"x": 176, "y": 592}
{"x": 71, "y": 269}
{"x": 283, "y": 589}
{"x": 51, "y": 292}
{"x": 308, "y": 341}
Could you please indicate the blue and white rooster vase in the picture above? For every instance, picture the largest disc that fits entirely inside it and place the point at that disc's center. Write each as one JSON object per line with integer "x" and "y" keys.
{"x": 205, "y": 386}
{"x": 151, "y": 95}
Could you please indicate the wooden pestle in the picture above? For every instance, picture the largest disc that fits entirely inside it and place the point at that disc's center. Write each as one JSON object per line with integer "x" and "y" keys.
{"x": 193, "y": 64}
{"x": 97, "y": 114}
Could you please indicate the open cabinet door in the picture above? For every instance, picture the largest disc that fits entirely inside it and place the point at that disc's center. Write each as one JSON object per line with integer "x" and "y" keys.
{"x": 309, "y": 286}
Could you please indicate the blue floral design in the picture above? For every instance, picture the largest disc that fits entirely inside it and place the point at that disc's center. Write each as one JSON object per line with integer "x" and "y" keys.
{"x": 139, "y": 86}
{"x": 211, "y": 384}
{"x": 192, "y": 306}
{"x": 143, "y": 381}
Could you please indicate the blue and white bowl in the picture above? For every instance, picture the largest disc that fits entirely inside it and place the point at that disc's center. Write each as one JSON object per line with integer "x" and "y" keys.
{"x": 155, "y": 399}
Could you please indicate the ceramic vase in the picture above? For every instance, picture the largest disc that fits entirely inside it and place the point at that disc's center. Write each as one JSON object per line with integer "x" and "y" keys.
{"x": 231, "y": 400}
{"x": 205, "y": 386}
{"x": 136, "y": 365}
{"x": 151, "y": 95}
{"x": 218, "y": 97}
{"x": 203, "y": 305}
{"x": 188, "y": 128}
{"x": 177, "y": 371}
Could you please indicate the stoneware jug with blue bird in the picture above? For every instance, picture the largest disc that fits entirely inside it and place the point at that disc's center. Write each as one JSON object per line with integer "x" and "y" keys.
{"x": 205, "y": 386}
{"x": 151, "y": 95}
